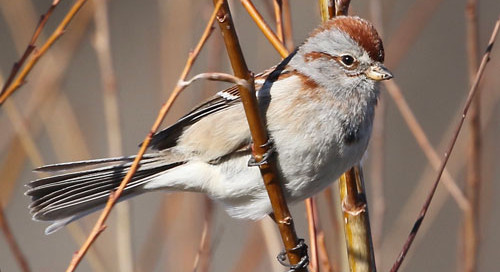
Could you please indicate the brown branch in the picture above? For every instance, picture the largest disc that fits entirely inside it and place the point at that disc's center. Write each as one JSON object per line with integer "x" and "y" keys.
{"x": 113, "y": 197}
{"x": 264, "y": 27}
{"x": 447, "y": 154}
{"x": 20, "y": 80}
{"x": 312, "y": 223}
{"x": 31, "y": 46}
{"x": 473, "y": 181}
{"x": 260, "y": 137}
{"x": 11, "y": 241}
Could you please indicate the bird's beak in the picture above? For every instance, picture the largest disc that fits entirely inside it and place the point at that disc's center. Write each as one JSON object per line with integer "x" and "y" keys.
{"x": 378, "y": 72}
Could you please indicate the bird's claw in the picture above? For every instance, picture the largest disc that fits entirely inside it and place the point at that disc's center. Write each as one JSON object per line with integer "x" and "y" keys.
{"x": 265, "y": 156}
{"x": 304, "y": 260}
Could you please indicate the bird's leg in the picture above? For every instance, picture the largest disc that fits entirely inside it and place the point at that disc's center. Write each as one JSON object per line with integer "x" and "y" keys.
{"x": 304, "y": 260}
{"x": 270, "y": 151}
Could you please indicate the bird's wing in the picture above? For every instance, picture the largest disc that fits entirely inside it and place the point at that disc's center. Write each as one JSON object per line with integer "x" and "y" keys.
{"x": 222, "y": 100}
{"x": 228, "y": 102}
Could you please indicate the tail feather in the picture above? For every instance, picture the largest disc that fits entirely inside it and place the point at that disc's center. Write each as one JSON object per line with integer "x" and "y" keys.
{"x": 69, "y": 196}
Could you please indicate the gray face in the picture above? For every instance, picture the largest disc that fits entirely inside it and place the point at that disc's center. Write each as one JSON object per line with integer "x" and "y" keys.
{"x": 331, "y": 58}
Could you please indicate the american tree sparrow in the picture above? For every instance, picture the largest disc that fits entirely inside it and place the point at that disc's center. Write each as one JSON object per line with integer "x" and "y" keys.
{"x": 318, "y": 104}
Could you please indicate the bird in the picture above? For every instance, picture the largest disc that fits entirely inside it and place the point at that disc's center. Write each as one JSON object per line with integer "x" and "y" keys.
{"x": 318, "y": 105}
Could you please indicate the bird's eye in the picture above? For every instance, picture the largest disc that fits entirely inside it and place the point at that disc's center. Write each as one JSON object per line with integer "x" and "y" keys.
{"x": 347, "y": 60}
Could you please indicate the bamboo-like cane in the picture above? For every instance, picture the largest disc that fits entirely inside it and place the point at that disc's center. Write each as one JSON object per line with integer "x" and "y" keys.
{"x": 352, "y": 192}
{"x": 260, "y": 137}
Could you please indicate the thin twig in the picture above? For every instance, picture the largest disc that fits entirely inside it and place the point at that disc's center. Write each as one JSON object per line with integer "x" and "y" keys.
{"x": 260, "y": 139}
{"x": 113, "y": 197}
{"x": 20, "y": 80}
{"x": 447, "y": 154}
{"x": 264, "y": 27}
{"x": 312, "y": 222}
{"x": 11, "y": 241}
{"x": 216, "y": 77}
{"x": 31, "y": 46}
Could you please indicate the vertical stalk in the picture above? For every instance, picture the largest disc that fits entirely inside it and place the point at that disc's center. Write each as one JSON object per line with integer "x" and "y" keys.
{"x": 259, "y": 136}
{"x": 352, "y": 192}
{"x": 102, "y": 47}
{"x": 472, "y": 187}
{"x": 356, "y": 221}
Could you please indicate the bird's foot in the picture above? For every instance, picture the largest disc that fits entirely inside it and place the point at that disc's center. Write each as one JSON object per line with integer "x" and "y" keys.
{"x": 270, "y": 151}
{"x": 304, "y": 260}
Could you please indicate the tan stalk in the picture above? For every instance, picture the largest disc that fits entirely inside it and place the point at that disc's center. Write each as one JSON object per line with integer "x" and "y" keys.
{"x": 356, "y": 221}
{"x": 323, "y": 253}
{"x": 278, "y": 16}
{"x": 447, "y": 154}
{"x": 20, "y": 79}
{"x": 251, "y": 257}
{"x": 287, "y": 26}
{"x": 471, "y": 226}
{"x": 202, "y": 259}
{"x": 352, "y": 194}
{"x": 102, "y": 47}
{"x": 260, "y": 137}
{"x": 99, "y": 226}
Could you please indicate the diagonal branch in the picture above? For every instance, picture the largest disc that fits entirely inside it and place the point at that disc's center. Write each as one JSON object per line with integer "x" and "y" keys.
{"x": 260, "y": 137}
{"x": 20, "y": 80}
{"x": 113, "y": 198}
{"x": 31, "y": 46}
{"x": 447, "y": 154}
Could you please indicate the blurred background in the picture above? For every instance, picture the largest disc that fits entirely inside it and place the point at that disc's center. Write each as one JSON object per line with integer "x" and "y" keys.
{"x": 60, "y": 115}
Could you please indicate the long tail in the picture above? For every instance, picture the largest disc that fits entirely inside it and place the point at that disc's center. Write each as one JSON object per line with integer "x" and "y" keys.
{"x": 66, "y": 197}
